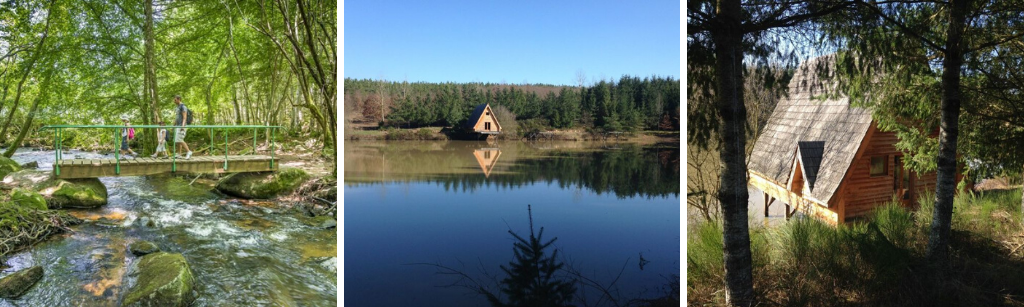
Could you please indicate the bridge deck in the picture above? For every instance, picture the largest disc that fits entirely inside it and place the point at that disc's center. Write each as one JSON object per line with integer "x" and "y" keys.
{"x": 92, "y": 168}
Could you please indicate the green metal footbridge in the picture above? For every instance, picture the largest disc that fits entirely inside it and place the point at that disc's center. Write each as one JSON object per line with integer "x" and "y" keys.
{"x": 120, "y": 166}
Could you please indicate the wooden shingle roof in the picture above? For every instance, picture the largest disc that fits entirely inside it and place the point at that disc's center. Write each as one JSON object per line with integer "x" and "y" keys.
{"x": 832, "y": 129}
{"x": 475, "y": 117}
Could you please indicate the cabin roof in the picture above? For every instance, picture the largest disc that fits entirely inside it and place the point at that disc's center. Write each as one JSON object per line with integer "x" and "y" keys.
{"x": 826, "y": 132}
{"x": 475, "y": 117}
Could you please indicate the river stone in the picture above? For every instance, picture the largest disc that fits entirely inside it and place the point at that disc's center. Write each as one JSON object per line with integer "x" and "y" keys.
{"x": 85, "y": 193}
{"x": 142, "y": 248}
{"x": 8, "y": 166}
{"x": 28, "y": 198}
{"x": 322, "y": 222}
{"x": 28, "y": 178}
{"x": 30, "y": 165}
{"x": 165, "y": 279}
{"x": 14, "y": 285}
{"x": 262, "y": 185}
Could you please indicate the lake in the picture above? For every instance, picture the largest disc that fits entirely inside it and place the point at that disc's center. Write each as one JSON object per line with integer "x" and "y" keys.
{"x": 417, "y": 210}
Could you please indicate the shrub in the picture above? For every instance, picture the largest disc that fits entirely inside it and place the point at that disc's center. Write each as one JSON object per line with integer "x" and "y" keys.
{"x": 425, "y": 134}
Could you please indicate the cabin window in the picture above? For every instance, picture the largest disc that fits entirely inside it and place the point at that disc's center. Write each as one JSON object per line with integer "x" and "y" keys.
{"x": 487, "y": 126}
{"x": 879, "y": 167}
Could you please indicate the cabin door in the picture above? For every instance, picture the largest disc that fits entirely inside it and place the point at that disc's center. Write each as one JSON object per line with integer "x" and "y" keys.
{"x": 901, "y": 182}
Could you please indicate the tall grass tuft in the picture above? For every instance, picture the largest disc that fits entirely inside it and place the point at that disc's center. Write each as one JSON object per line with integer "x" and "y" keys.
{"x": 895, "y": 223}
{"x": 704, "y": 257}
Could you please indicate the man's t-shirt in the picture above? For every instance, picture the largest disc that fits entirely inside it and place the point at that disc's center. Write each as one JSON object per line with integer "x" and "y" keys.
{"x": 181, "y": 109}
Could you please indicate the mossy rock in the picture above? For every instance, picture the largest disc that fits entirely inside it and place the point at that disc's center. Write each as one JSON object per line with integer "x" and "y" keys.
{"x": 8, "y": 166}
{"x": 14, "y": 285}
{"x": 322, "y": 222}
{"x": 165, "y": 279}
{"x": 142, "y": 248}
{"x": 263, "y": 185}
{"x": 75, "y": 193}
{"x": 60, "y": 193}
{"x": 28, "y": 178}
{"x": 28, "y": 198}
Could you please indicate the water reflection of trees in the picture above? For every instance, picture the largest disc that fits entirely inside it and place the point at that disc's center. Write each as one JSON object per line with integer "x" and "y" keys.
{"x": 538, "y": 277}
{"x": 626, "y": 170}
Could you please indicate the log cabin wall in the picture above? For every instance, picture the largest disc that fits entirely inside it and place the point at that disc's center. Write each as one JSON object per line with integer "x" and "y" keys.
{"x": 861, "y": 191}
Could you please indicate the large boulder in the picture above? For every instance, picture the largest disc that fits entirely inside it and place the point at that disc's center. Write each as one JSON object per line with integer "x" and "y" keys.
{"x": 28, "y": 198}
{"x": 75, "y": 193}
{"x": 14, "y": 285}
{"x": 30, "y": 179}
{"x": 60, "y": 193}
{"x": 263, "y": 185}
{"x": 8, "y": 166}
{"x": 165, "y": 279}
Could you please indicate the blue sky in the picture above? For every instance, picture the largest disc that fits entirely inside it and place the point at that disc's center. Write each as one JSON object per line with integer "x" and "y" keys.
{"x": 510, "y": 41}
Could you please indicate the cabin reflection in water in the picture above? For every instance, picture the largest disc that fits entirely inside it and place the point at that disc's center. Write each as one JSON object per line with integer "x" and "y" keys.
{"x": 487, "y": 158}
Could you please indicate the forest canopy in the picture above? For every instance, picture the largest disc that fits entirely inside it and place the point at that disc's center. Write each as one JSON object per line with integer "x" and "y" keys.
{"x": 265, "y": 62}
{"x": 629, "y": 104}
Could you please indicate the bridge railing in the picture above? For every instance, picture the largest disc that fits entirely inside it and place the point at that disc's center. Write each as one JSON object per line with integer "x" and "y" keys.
{"x": 116, "y": 137}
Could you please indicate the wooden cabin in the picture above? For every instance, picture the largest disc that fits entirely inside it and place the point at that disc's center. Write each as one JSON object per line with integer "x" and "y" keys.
{"x": 828, "y": 159}
{"x": 481, "y": 125}
{"x": 483, "y": 121}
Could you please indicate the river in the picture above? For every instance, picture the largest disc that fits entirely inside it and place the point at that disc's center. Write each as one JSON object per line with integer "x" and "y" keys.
{"x": 242, "y": 253}
{"x": 411, "y": 206}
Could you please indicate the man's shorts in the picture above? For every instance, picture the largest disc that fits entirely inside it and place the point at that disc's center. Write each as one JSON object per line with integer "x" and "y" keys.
{"x": 179, "y": 136}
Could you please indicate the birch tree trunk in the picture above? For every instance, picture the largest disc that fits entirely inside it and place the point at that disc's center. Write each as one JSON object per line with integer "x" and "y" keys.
{"x": 938, "y": 240}
{"x": 732, "y": 196}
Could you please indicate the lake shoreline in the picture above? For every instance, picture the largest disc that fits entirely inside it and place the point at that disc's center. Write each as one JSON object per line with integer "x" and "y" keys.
{"x": 576, "y": 135}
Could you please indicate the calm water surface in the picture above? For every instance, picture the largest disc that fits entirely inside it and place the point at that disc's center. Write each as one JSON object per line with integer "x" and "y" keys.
{"x": 453, "y": 203}
{"x": 242, "y": 253}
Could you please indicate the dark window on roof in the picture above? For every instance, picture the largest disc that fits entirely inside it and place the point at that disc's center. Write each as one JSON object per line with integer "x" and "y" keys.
{"x": 879, "y": 166}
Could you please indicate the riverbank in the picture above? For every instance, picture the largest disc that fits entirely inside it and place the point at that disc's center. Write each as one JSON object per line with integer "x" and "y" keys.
{"x": 877, "y": 262}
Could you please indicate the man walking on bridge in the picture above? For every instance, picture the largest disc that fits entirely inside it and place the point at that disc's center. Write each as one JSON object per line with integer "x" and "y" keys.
{"x": 180, "y": 121}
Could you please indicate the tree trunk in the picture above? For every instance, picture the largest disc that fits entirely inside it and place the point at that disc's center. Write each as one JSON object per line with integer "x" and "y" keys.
{"x": 150, "y": 82}
{"x": 26, "y": 127}
{"x": 209, "y": 87}
{"x": 28, "y": 70}
{"x": 733, "y": 193}
{"x": 938, "y": 240}
{"x": 234, "y": 54}
{"x": 238, "y": 111}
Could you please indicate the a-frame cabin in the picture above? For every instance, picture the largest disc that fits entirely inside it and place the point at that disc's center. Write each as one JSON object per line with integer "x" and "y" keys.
{"x": 828, "y": 159}
{"x": 483, "y": 121}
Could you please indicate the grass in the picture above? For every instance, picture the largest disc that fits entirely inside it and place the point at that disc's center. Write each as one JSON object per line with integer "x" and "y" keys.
{"x": 877, "y": 262}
